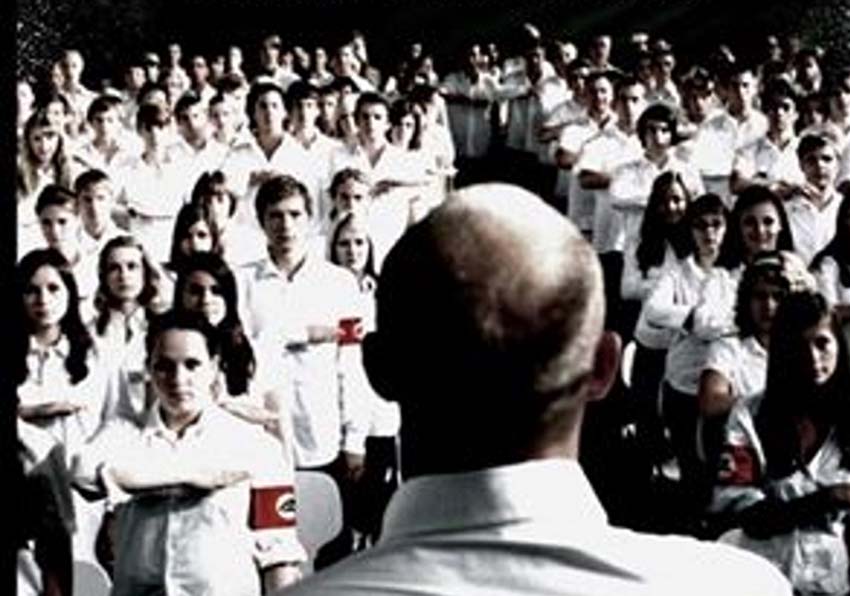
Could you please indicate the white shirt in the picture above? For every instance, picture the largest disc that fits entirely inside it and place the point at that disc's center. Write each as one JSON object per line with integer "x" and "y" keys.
{"x": 208, "y": 158}
{"x": 574, "y": 138}
{"x": 811, "y": 227}
{"x": 470, "y": 124}
{"x": 182, "y": 542}
{"x": 829, "y": 282}
{"x": 324, "y": 397}
{"x": 815, "y": 558}
{"x": 48, "y": 381}
{"x": 314, "y": 167}
{"x": 764, "y": 161}
{"x": 686, "y": 287}
{"x": 742, "y": 361}
{"x": 129, "y": 147}
{"x": 712, "y": 150}
{"x": 154, "y": 192}
{"x": 634, "y": 285}
{"x": 530, "y": 528}
{"x": 604, "y": 153}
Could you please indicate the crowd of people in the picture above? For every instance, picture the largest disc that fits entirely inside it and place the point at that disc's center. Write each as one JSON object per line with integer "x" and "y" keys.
{"x": 200, "y": 249}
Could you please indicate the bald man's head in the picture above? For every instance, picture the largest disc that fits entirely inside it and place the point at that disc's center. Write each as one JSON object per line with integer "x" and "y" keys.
{"x": 494, "y": 297}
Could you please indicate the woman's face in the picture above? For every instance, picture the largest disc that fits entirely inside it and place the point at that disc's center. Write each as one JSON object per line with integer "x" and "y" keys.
{"x": 403, "y": 131}
{"x": 760, "y": 227}
{"x": 197, "y": 239}
{"x": 182, "y": 372}
{"x": 125, "y": 273}
{"x": 45, "y": 298}
{"x": 218, "y": 202}
{"x": 203, "y": 294}
{"x": 708, "y": 230}
{"x": 820, "y": 348}
{"x": 352, "y": 248}
{"x": 764, "y": 302}
{"x": 44, "y": 142}
{"x": 56, "y": 114}
{"x": 674, "y": 204}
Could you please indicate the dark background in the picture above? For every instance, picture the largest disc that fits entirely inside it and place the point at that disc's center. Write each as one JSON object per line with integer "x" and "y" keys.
{"x": 107, "y": 31}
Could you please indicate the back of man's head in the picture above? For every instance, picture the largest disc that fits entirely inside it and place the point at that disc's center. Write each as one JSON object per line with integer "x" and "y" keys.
{"x": 489, "y": 316}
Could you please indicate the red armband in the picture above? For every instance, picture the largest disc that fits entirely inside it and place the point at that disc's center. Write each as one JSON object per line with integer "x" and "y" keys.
{"x": 272, "y": 507}
{"x": 738, "y": 465}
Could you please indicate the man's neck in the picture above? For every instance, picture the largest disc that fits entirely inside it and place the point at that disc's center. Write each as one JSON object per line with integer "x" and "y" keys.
{"x": 269, "y": 141}
{"x": 288, "y": 263}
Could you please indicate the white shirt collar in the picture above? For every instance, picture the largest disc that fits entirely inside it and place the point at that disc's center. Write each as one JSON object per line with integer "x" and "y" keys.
{"x": 481, "y": 498}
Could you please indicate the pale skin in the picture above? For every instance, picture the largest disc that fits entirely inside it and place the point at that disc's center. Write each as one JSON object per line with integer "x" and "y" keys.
{"x": 182, "y": 373}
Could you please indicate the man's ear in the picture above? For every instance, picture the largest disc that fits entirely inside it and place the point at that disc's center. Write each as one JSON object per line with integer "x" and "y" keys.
{"x": 380, "y": 366}
{"x": 606, "y": 366}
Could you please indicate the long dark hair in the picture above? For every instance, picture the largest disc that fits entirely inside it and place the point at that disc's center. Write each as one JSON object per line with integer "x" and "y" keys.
{"x": 766, "y": 267}
{"x": 839, "y": 247}
{"x": 790, "y": 392}
{"x": 237, "y": 356}
{"x": 732, "y": 249}
{"x": 102, "y": 298}
{"x": 655, "y": 233}
{"x": 189, "y": 215}
{"x": 71, "y": 324}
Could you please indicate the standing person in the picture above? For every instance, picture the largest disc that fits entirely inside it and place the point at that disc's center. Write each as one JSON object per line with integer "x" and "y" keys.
{"x": 98, "y": 210}
{"x": 782, "y": 482}
{"x": 77, "y": 94}
{"x": 293, "y": 301}
{"x": 195, "y": 468}
{"x": 459, "y": 333}
{"x": 111, "y": 148}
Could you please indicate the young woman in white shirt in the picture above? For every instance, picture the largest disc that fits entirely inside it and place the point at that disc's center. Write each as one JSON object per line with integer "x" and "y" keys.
{"x": 193, "y": 233}
{"x": 758, "y": 223}
{"x": 127, "y": 297}
{"x": 61, "y": 385}
{"x": 783, "y": 483}
{"x": 736, "y": 366}
{"x": 694, "y": 303}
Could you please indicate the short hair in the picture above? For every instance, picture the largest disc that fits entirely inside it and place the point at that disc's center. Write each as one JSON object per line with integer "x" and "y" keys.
{"x": 54, "y": 195}
{"x": 148, "y": 88}
{"x": 150, "y": 115}
{"x": 814, "y": 142}
{"x": 88, "y": 179}
{"x": 346, "y": 174}
{"x": 100, "y": 104}
{"x": 706, "y": 204}
{"x": 258, "y": 90}
{"x": 776, "y": 90}
{"x": 206, "y": 184}
{"x": 186, "y": 101}
{"x": 659, "y": 112}
{"x": 278, "y": 188}
{"x": 299, "y": 91}
{"x": 183, "y": 320}
{"x": 369, "y": 98}
{"x": 230, "y": 82}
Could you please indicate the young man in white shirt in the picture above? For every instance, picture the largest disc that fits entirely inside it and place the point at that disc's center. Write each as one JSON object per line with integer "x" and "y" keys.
{"x": 293, "y": 301}
{"x": 812, "y": 210}
{"x": 111, "y": 147}
{"x": 771, "y": 160}
{"x": 97, "y": 208}
{"x": 203, "y": 153}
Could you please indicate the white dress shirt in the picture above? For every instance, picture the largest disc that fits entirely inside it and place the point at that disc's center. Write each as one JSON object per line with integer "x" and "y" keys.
{"x": 828, "y": 277}
{"x": 532, "y": 528}
{"x": 320, "y": 380}
{"x": 812, "y": 227}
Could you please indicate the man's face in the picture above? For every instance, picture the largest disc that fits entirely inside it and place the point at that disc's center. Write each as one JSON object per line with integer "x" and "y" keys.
{"x": 135, "y": 77}
{"x": 820, "y": 167}
{"x": 72, "y": 67}
{"x": 353, "y": 196}
{"x": 199, "y": 71}
{"x": 742, "y": 91}
{"x": 61, "y": 228}
{"x": 269, "y": 112}
{"x": 106, "y": 124}
{"x": 96, "y": 205}
{"x": 270, "y": 55}
{"x": 328, "y": 106}
{"x": 224, "y": 116}
{"x": 182, "y": 372}
{"x": 781, "y": 114}
{"x": 631, "y": 102}
{"x": 193, "y": 122}
{"x": 286, "y": 224}
{"x": 306, "y": 111}
{"x": 600, "y": 95}
{"x": 658, "y": 136}
{"x": 373, "y": 122}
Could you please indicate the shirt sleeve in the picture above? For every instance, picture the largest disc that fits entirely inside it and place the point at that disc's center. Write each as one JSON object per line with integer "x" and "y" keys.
{"x": 662, "y": 309}
{"x": 274, "y": 505}
{"x": 827, "y": 277}
{"x": 714, "y": 314}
